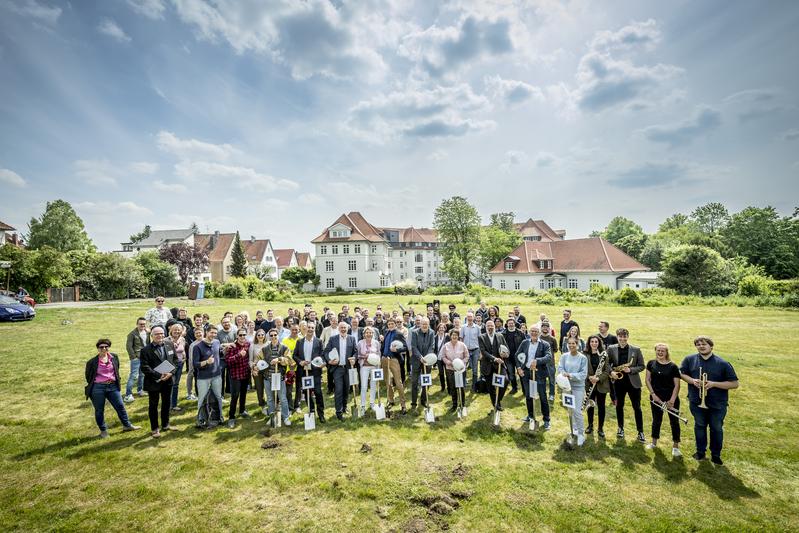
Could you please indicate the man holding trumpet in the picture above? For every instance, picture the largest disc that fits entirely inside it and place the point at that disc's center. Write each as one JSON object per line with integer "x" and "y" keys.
{"x": 709, "y": 377}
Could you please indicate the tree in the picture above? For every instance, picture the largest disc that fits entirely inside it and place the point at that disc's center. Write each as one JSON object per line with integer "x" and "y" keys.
{"x": 238, "y": 261}
{"x": 633, "y": 244}
{"x": 504, "y": 221}
{"x": 262, "y": 272}
{"x": 711, "y": 217}
{"x": 143, "y": 234}
{"x": 299, "y": 276}
{"x": 497, "y": 241}
{"x": 60, "y": 228}
{"x": 694, "y": 269}
{"x": 765, "y": 239}
{"x": 618, "y": 228}
{"x": 37, "y": 270}
{"x": 676, "y": 220}
{"x": 653, "y": 252}
{"x": 158, "y": 274}
{"x": 194, "y": 229}
{"x": 458, "y": 225}
{"x": 110, "y": 276}
{"x": 189, "y": 260}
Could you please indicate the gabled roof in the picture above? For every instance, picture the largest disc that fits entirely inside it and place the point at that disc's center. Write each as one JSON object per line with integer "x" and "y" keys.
{"x": 576, "y": 255}
{"x": 283, "y": 257}
{"x": 304, "y": 259}
{"x": 254, "y": 250}
{"x": 158, "y": 237}
{"x": 220, "y": 249}
{"x": 361, "y": 230}
{"x": 6, "y": 227}
{"x": 538, "y": 227}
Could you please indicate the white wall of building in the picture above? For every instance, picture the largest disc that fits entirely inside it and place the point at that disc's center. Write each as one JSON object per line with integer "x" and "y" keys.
{"x": 581, "y": 281}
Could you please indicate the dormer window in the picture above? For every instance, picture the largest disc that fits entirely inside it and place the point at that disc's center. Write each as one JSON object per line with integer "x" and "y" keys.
{"x": 340, "y": 232}
{"x": 509, "y": 265}
{"x": 542, "y": 265}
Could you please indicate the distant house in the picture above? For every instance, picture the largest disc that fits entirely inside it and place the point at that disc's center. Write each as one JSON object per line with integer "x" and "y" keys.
{"x": 286, "y": 258}
{"x": 220, "y": 254}
{"x": 259, "y": 252}
{"x": 572, "y": 264}
{"x": 8, "y": 234}
{"x": 304, "y": 260}
{"x": 639, "y": 280}
{"x": 538, "y": 231}
{"x": 156, "y": 240}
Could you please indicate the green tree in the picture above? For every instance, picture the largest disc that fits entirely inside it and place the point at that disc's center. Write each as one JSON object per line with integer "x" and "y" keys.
{"x": 298, "y": 275}
{"x": 458, "y": 225}
{"x": 764, "y": 238}
{"x": 694, "y": 269}
{"x": 159, "y": 275}
{"x": 36, "y": 270}
{"x": 711, "y": 217}
{"x": 60, "y": 228}
{"x": 618, "y": 228}
{"x": 143, "y": 234}
{"x": 497, "y": 240}
{"x": 633, "y": 244}
{"x": 238, "y": 261}
{"x": 676, "y": 220}
{"x": 653, "y": 252}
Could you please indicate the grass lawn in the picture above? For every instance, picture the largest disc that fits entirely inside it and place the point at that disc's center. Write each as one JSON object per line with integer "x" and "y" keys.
{"x": 56, "y": 474}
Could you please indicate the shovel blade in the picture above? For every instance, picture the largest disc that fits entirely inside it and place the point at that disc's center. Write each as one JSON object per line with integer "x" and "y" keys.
{"x": 496, "y": 418}
{"x": 310, "y": 421}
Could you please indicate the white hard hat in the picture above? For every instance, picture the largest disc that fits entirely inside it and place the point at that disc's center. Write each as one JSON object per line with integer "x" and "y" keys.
{"x": 503, "y": 349}
{"x": 373, "y": 359}
{"x": 458, "y": 365}
{"x": 396, "y": 346}
{"x": 261, "y": 365}
{"x": 430, "y": 359}
{"x": 318, "y": 362}
{"x": 563, "y": 382}
{"x": 521, "y": 356}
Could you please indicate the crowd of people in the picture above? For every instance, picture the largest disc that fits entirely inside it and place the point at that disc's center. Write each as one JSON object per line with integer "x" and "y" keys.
{"x": 222, "y": 362}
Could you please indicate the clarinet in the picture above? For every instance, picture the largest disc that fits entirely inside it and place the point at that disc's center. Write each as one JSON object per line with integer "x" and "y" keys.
{"x": 586, "y": 399}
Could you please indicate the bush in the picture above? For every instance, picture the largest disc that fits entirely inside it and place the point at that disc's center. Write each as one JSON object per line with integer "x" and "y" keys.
{"x": 233, "y": 289}
{"x": 546, "y": 299}
{"x": 784, "y": 287}
{"x": 600, "y": 291}
{"x": 753, "y": 285}
{"x": 213, "y": 289}
{"x": 478, "y": 290}
{"x": 407, "y": 286}
{"x": 442, "y": 290}
{"x": 628, "y": 297}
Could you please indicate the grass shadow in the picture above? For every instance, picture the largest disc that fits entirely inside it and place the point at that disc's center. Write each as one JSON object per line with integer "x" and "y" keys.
{"x": 55, "y": 447}
{"x": 721, "y": 481}
{"x": 630, "y": 455}
{"x": 673, "y": 471}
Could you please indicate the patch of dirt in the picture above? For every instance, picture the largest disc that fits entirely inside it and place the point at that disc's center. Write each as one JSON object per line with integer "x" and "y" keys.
{"x": 461, "y": 494}
{"x": 381, "y": 511}
{"x": 440, "y": 507}
{"x": 270, "y": 444}
{"x": 414, "y": 525}
{"x": 365, "y": 448}
{"x": 460, "y": 471}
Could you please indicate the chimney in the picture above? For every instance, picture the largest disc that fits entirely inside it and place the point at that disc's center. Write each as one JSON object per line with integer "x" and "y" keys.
{"x": 252, "y": 239}
{"x": 214, "y": 240}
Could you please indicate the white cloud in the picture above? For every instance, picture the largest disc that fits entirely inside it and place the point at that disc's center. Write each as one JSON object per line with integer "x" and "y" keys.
{"x": 241, "y": 177}
{"x": 635, "y": 35}
{"x": 144, "y": 167}
{"x": 9, "y": 177}
{"x": 169, "y": 187}
{"x": 153, "y": 9}
{"x": 704, "y": 120}
{"x": 112, "y": 29}
{"x": 33, "y": 9}
{"x": 545, "y": 159}
{"x": 438, "y": 155}
{"x": 96, "y": 171}
{"x": 511, "y": 92}
{"x": 192, "y": 148}
{"x": 514, "y": 158}
{"x": 311, "y": 198}
{"x": 751, "y": 104}
{"x": 112, "y": 208}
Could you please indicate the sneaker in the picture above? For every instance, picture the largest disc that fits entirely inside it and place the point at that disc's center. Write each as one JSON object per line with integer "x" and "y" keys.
{"x": 156, "y": 434}
{"x": 526, "y": 419}
{"x": 675, "y": 452}
{"x": 129, "y": 398}
{"x": 551, "y": 397}
{"x": 265, "y": 410}
{"x": 141, "y": 393}
{"x": 580, "y": 440}
{"x": 131, "y": 428}
{"x": 403, "y": 411}
{"x": 103, "y": 434}
{"x": 641, "y": 437}
{"x": 716, "y": 460}
{"x": 699, "y": 456}
{"x": 546, "y": 426}
{"x": 601, "y": 434}
{"x": 589, "y": 430}
{"x": 499, "y": 408}
{"x": 176, "y": 409}
{"x": 620, "y": 433}
{"x": 651, "y": 446}
{"x": 245, "y": 414}
{"x": 231, "y": 423}
{"x": 190, "y": 398}
{"x": 287, "y": 422}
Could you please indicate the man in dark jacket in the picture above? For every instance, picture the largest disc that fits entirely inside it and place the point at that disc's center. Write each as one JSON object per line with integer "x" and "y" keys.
{"x": 306, "y": 350}
{"x": 493, "y": 359}
{"x": 344, "y": 344}
{"x": 158, "y": 385}
{"x": 422, "y": 343}
{"x": 534, "y": 353}
{"x": 137, "y": 339}
{"x": 514, "y": 337}
{"x": 628, "y": 380}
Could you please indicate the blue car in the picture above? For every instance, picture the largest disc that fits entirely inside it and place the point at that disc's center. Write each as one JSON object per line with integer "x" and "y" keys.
{"x": 12, "y": 310}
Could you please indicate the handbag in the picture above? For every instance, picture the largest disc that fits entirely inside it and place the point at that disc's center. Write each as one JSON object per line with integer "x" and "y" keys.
{"x": 291, "y": 376}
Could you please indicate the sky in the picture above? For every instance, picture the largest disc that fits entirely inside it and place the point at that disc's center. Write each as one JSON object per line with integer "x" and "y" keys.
{"x": 274, "y": 117}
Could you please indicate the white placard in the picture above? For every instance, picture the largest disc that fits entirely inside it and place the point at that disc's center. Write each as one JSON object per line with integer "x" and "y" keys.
{"x": 353, "y": 376}
{"x": 377, "y": 374}
{"x": 310, "y": 421}
{"x": 380, "y": 411}
{"x": 498, "y": 381}
{"x": 532, "y": 389}
{"x": 307, "y": 382}
{"x": 426, "y": 380}
{"x": 333, "y": 355}
{"x": 458, "y": 380}
{"x": 568, "y": 401}
{"x": 276, "y": 379}
{"x": 429, "y": 415}
{"x": 165, "y": 368}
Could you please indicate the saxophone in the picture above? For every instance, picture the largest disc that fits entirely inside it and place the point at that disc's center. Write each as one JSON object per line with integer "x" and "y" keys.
{"x": 587, "y": 401}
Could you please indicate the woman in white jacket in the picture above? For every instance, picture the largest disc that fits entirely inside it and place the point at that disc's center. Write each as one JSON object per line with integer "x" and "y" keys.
{"x": 574, "y": 365}
{"x": 368, "y": 346}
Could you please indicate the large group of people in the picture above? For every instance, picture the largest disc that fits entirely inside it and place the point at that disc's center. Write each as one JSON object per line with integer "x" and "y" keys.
{"x": 343, "y": 352}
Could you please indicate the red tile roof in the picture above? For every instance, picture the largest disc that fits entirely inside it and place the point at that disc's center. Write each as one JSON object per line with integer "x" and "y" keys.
{"x": 6, "y": 227}
{"x": 538, "y": 227}
{"x": 254, "y": 250}
{"x": 576, "y": 255}
{"x": 361, "y": 230}
{"x": 283, "y": 257}
{"x": 220, "y": 250}
{"x": 304, "y": 259}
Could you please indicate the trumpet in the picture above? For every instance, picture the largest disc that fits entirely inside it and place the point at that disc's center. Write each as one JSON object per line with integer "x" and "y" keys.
{"x": 587, "y": 401}
{"x": 673, "y": 412}
{"x": 702, "y": 387}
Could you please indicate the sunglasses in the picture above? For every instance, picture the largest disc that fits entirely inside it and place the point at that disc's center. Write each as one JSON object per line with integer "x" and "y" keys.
{"x": 242, "y": 335}
{"x": 103, "y": 346}
{"x": 273, "y": 335}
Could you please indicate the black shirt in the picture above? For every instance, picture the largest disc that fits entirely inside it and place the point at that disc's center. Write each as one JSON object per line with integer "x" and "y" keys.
{"x": 624, "y": 358}
{"x": 610, "y": 339}
{"x": 662, "y": 378}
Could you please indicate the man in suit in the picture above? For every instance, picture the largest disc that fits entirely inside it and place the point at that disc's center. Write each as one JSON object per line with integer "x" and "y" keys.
{"x": 345, "y": 345}
{"x": 158, "y": 385}
{"x": 493, "y": 360}
{"x": 423, "y": 343}
{"x": 305, "y": 351}
{"x": 514, "y": 337}
{"x": 628, "y": 381}
{"x": 138, "y": 338}
{"x": 537, "y": 355}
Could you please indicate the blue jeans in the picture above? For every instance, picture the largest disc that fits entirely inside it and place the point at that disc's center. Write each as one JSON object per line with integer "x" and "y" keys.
{"x": 474, "y": 357}
{"x": 135, "y": 376}
{"x": 176, "y": 385}
{"x": 704, "y": 418}
{"x": 270, "y": 398}
{"x": 107, "y": 391}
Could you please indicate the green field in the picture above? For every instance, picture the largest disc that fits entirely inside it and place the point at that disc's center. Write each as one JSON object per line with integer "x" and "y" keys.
{"x": 56, "y": 473}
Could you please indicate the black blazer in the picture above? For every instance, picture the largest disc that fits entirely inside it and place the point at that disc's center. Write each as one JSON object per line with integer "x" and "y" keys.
{"x": 149, "y": 360}
{"x": 299, "y": 355}
{"x": 91, "y": 372}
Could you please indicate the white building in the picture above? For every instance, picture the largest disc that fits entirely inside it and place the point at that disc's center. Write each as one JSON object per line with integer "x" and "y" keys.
{"x": 259, "y": 253}
{"x": 156, "y": 240}
{"x": 639, "y": 280}
{"x": 286, "y": 258}
{"x": 570, "y": 264}
{"x": 352, "y": 254}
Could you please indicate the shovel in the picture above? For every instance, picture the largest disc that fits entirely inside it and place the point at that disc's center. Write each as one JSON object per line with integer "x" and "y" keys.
{"x": 380, "y": 409}
{"x": 277, "y": 415}
{"x": 354, "y": 412}
{"x": 310, "y": 417}
{"x": 496, "y": 397}
{"x": 533, "y": 386}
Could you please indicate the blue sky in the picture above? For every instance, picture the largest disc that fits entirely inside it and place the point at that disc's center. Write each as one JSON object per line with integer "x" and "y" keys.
{"x": 275, "y": 117}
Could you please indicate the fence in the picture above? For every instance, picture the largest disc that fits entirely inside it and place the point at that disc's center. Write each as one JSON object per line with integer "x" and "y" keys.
{"x": 63, "y": 294}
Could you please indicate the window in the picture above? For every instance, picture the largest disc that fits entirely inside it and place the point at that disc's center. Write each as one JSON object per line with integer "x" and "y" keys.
{"x": 502, "y": 284}
{"x": 541, "y": 284}
{"x": 353, "y": 283}
{"x": 508, "y": 265}
{"x": 357, "y": 248}
{"x": 419, "y": 270}
{"x": 419, "y": 257}
{"x": 550, "y": 283}
{"x": 542, "y": 264}
{"x": 428, "y": 264}
{"x": 402, "y": 265}
{"x": 328, "y": 266}
{"x": 533, "y": 238}
{"x": 374, "y": 248}
{"x": 572, "y": 283}
{"x": 517, "y": 284}
{"x": 323, "y": 250}
{"x": 334, "y": 249}
{"x": 593, "y": 282}
{"x": 346, "y": 249}
{"x": 352, "y": 265}
{"x": 330, "y": 283}
{"x": 374, "y": 265}
{"x": 384, "y": 281}
{"x": 388, "y": 265}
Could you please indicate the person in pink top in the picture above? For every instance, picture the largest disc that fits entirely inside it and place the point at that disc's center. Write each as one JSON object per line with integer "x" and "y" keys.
{"x": 366, "y": 346}
{"x": 454, "y": 349}
{"x": 102, "y": 383}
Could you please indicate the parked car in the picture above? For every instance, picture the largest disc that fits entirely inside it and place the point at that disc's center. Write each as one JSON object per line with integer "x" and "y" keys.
{"x": 12, "y": 310}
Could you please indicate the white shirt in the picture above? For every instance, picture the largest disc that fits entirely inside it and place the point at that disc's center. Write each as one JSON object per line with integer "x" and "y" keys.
{"x": 342, "y": 349}
{"x": 307, "y": 349}
{"x": 532, "y": 349}
{"x": 143, "y": 335}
